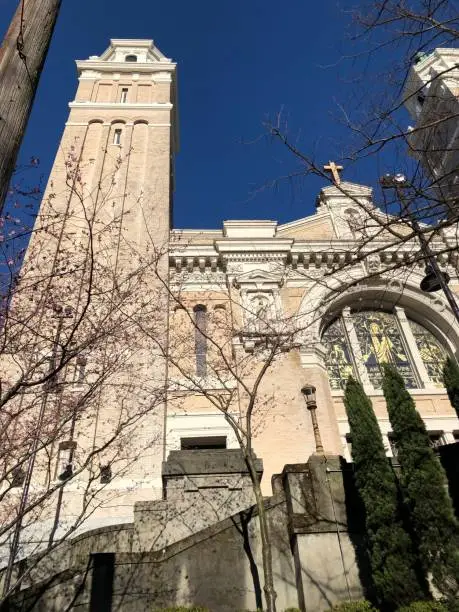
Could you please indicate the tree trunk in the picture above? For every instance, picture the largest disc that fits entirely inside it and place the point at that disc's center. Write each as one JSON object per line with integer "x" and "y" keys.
{"x": 268, "y": 587}
{"x": 22, "y": 56}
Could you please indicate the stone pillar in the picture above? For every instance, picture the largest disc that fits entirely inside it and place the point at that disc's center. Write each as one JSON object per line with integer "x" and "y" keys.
{"x": 200, "y": 488}
{"x": 357, "y": 352}
{"x": 413, "y": 349}
{"x": 324, "y": 553}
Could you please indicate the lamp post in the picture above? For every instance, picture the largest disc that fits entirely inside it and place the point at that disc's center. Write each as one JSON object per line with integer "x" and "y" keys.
{"x": 434, "y": 279}
{"x": 309, "y": 394}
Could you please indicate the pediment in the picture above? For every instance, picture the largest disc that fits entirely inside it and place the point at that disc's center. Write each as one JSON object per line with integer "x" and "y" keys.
{"x": 346, "y": 188}
{"x": 315, "y": 227}
{"x": 258, "y": 279}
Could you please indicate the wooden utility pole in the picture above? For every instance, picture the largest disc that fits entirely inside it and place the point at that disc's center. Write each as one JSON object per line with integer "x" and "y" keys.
{"x": 22, "y": 56}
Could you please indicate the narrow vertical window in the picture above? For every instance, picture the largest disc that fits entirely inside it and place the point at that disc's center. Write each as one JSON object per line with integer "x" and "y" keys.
{"x": 117, "y": 137}
{"x": 200, "y": 340}
{"x": 81, "y": 362}
{"x": 393, "y": 445}
{"x": 64, "y": 464}
{"x": 105, "y": 474}
{"x": 124, "y": 95}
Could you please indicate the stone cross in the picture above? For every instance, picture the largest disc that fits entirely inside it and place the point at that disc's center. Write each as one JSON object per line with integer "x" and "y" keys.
{"x": 335, "y": 170}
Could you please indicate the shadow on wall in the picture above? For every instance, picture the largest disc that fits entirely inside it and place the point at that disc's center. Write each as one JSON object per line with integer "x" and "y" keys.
{"x": 449, "y": 457}
{"x": 356, "y": 525}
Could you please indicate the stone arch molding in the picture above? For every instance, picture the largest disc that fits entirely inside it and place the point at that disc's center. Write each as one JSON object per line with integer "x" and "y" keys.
{"x": 324, "y": 299}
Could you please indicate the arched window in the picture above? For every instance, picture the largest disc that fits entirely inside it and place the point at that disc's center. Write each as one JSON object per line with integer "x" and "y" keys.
{"x": 360, "y": 342}
{"x": 130, "y": 58}
{"x": 200, "y": 340}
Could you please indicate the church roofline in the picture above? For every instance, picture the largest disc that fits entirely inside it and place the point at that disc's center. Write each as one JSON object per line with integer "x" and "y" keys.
{"x": 156, "y": 60}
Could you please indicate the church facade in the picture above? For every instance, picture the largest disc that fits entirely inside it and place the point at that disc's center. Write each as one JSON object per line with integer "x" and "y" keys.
{"x": 201, "y": 340}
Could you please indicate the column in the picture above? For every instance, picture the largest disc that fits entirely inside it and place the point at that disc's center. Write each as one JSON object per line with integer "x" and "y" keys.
{"x": 419, "y": 366}
{"x": 357, "y": 353}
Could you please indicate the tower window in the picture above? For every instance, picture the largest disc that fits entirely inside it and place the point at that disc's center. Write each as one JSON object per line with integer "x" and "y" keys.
{"x": 117, "y": 137}
{"x": 124, "y": 95}
{"x": 105, "y": 474}
{"x": 64, "y": 464}
{"x": 200, "y": 340}
{"x": 17, "y": 476}
{"x": 81, "y": 362}
{"x": 130, "y": 58}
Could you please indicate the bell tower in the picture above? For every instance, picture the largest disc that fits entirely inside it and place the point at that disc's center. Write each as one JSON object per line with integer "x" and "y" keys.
{"x": 122, "y": 131}
{"x": 92, "y": 284}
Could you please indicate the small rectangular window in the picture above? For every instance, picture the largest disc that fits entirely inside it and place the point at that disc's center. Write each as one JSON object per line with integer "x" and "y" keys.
{"x": 105, "y": 474}
{"x": 436, "y": 438}
{"x": 393, "y": 446}
{"x": 124, "y": 95}
{"x": 203, "y": 443}
{"x": 17, "y": 476}
{"x": 349, "y": 444}
{"x": 64, "y": 464}
{"x": 81, "y": 362}
{"x": 117, "y": 137}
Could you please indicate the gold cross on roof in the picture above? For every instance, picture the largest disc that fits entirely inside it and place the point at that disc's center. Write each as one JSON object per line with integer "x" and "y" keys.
{"x": 335, "y": 170}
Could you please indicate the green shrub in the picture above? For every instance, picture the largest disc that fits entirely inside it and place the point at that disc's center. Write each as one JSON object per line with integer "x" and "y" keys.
{"x": 390, "y": 550}
{"x": 182, "y": 609}
{"x": 360, "y": 605}
{"x": 424, "y": 484}
{"x": 424, "y": 606}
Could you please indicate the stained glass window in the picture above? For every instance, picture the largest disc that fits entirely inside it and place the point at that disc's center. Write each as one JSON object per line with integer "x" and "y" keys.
{"x": 431, "y": 351}
{"x": 338, "y": 359}
{"x": 380, "y": 340}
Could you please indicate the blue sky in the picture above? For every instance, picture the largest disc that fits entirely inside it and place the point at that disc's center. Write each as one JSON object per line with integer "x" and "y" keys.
{"x": 240, "y": 62}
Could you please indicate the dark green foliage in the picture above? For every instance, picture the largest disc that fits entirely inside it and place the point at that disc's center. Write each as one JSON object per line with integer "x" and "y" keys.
{"x": 360, "y": 605}
{"x": 424, "y": 606}
{"x": 451, "y": 382}
{"x": 431, "y": 513}
{"x": 389, "y": 545}
{"x": 182, "y": 609}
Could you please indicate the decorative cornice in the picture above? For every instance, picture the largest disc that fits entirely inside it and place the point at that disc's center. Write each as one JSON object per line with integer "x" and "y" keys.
{"x": 254, "y": 245}
{"x": 142, "y": 67}
{"x": 120, "y": 106}
{"x": 308, "y": 255}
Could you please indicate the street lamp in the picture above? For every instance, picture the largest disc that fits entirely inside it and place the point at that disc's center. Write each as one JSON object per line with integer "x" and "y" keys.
{"x": 434, "y": 279}
{"x": 309, "y": 394}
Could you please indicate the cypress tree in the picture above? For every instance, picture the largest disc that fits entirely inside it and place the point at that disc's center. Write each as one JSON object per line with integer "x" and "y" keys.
{"x": 451, "y": 382}
{"x": 389, "y": 545}
{"x": 424, "y": 484}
